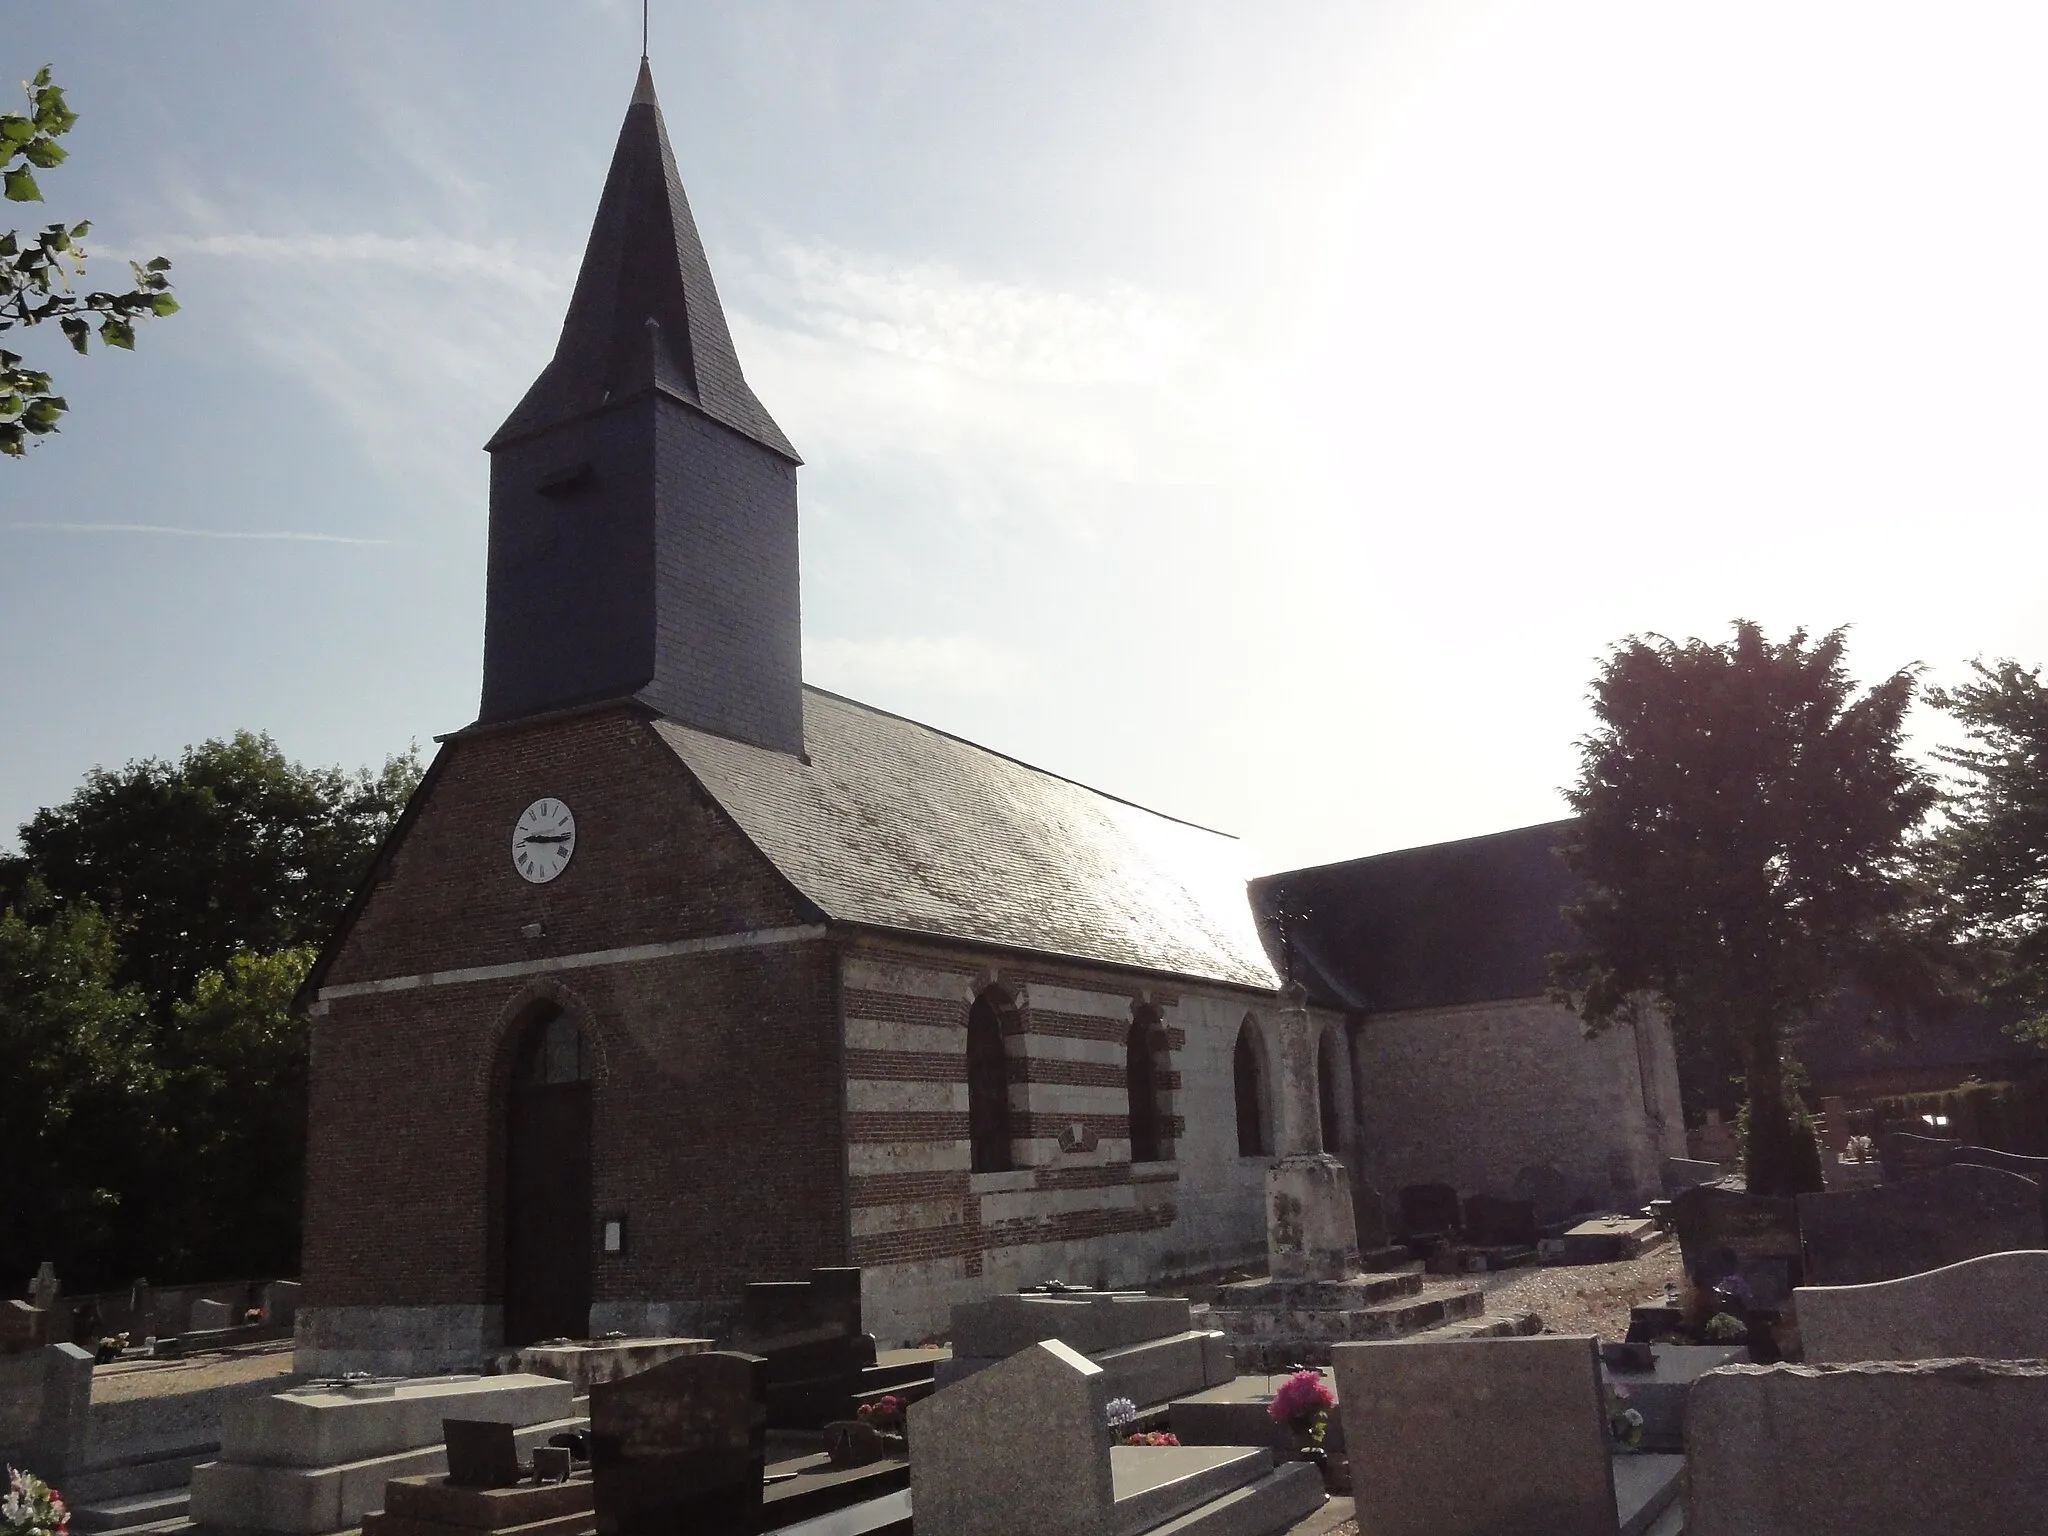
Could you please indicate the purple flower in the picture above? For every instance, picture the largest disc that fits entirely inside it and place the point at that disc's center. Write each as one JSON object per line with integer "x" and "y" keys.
{"x": 1301, "y": 1396}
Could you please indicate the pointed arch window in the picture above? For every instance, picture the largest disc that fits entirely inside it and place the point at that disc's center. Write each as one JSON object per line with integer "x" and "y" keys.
{"x": 1141, "y": 1085}
{"x": 1248, "y": 1072}
{"x": 988, "y": 1089}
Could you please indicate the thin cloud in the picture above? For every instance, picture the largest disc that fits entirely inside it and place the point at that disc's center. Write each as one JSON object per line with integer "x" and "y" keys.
{"x": 948, "y": 663}
{"x": 271, "y": 535}
{"x": 430, "y": 256}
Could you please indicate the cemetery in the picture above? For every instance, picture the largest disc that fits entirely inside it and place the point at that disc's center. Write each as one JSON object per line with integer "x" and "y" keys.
{"x": 874, "y": 1134}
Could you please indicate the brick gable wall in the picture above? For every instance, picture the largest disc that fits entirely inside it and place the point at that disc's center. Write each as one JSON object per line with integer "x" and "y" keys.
{"x": 717, "y": 1092}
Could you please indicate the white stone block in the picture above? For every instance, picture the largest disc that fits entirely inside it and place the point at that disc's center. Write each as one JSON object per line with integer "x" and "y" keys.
{"x": 329, "y": 1427}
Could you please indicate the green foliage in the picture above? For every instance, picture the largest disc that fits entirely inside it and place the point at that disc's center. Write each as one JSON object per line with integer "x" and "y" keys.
{"x": 1990, "y": 859}
{"x": 232, "y": 848}
{"x": 37, "y": 272}
{"x": 1742, "y": 825}
{"x": 152, "y": 1072}
{"x": 78, "y": 1082}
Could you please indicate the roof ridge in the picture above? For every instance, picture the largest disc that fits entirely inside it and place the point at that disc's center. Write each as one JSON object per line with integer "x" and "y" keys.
{"x": 876, "y": 709}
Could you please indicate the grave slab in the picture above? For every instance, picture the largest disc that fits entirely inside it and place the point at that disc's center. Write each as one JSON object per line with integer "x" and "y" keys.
{"x": 1891, "y": 1449}
{"x": 318, "y": 1426}
{"x": 998, "y": 1326}
{"x": 1994, "y": 1307}
{"x": 583, "y": 1365}
{"x": 1492, "y": 1437}
{"x": 1279, "y": 1501}
{"x": 1610, "y": 1239}
{"x": 1919, "y": 1223}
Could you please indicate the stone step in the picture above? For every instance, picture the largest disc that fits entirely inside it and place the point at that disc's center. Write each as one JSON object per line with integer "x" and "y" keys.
{"x": 1282, "y": 1498}
{"x": 135, "y": 1509}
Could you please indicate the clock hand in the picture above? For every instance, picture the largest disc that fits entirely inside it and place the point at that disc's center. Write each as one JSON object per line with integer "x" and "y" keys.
{"x": 542, "y": 837}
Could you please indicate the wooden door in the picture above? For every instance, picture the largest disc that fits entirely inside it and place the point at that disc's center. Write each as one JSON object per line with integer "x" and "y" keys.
{"x": 548, "y": 1218}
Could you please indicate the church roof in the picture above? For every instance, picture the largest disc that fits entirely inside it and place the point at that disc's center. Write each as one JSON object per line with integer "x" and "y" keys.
{"x": 1470, "y": 921}
{"x": 645, "y": 314}
{"x": 895, "y": 825}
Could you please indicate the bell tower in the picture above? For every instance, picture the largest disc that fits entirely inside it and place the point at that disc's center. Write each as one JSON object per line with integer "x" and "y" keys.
{"x": 643, "y": 538}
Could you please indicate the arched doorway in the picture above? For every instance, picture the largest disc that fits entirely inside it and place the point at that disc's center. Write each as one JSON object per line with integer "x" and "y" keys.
{"x": 547, "y": 1182}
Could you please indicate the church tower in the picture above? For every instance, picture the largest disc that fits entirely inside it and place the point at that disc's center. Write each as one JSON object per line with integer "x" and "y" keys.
{"x": 643, "y": 539}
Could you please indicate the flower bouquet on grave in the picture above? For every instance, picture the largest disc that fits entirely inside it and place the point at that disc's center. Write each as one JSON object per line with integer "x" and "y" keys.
{"x": 877, "y": 1429}
{"x": 1624, "y": 1424}
{"x": 1121, "y": 1414}
{"x": 1303, "y": 1404}
{"x": 1153, "y": 1437}
{"x": 31, "y": 1507}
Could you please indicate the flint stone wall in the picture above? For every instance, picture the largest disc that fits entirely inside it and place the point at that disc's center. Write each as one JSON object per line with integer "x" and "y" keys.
{"x": 1895, "y": 1449}
{"x": 1994, "y": 1307}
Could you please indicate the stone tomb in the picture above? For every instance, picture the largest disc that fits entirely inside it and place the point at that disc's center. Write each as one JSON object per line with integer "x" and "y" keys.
{"x": 1723, "y": 1233}
{"x": 810, "y": 1334}
{"x": 1660, "y": 1393}
{"x": 680, "y": 1447}
{"x": 1877, "y": 1449}
{"x": 1994, "y": 1308}
{"x": 584, "y": 1364}
{"x": 1023, "y": 1449}
{"x": 23, "y": 1328}
{"x": 1491, "y": 1437}
{"x": 435, "y": 1506}
{"x": 1919, "y": 1223}
{"x": 1147, "y": 1346}
{"x": 317, "y": 1458}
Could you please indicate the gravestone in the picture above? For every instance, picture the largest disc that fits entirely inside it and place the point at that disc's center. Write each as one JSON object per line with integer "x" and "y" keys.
{"x": 1919, "y": 1223}
{"x": 208, "y": 1315}
{"x": 23, "y": 1328}
{"x": 1903, "y": 1448}
{"x": 1491, "y": 1222}
{"x": 1723, "y": 1233}
{"x": 1022, "y": 1446}
{"x": 481, "y": 1453}
{"x": 1905, "y": 1154}
{"x": 680, "y": 1447}
{"x": 809, "y": 1332}
{"x": 1994, "y": 1308}
{"x": 1429, "y": 1210}
{"x": 1682, "y": 1173}
{"x": 1369, "y": 1216}
{"x": 1489, "y": 1437}
{"x": 1547, "y": 1189}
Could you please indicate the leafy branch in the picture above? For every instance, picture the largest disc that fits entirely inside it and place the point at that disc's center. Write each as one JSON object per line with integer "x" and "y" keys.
{"x": 37, "y": 272}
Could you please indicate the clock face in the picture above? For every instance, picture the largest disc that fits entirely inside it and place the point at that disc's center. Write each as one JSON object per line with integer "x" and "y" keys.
{"x": 543, "y": 840}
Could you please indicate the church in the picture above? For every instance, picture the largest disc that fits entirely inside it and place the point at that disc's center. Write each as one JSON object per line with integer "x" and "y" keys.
{"x": 678, "y": 973}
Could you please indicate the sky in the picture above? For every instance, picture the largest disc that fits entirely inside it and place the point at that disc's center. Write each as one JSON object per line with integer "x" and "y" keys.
{"x": 1267, "y": 413}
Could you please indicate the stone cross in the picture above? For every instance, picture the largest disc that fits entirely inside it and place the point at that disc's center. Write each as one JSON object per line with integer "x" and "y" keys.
{"x": 1311, "y": 1228}
{"x": 43, "y": 1291}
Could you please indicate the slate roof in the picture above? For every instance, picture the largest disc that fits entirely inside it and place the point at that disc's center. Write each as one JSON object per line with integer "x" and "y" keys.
{"x": 895, "y": 825}
{"x": 1435, "y": 927}
{"x": 645, "y": 314}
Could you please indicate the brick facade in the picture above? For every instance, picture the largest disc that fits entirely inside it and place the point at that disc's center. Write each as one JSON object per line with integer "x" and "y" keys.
{"x": 720, "y": 1181}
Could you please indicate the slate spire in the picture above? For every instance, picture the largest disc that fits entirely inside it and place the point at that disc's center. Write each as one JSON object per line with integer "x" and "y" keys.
{"x": 645, "y": 314}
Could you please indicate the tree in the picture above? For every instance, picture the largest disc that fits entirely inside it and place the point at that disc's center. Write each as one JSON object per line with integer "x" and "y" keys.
{"x": 36, "y": 272}
{"x": 1990, "y": 860}
{"x": 1742, "y": 826}
{"x": 230, "y": 849}
{"x": 77, "y": 1084}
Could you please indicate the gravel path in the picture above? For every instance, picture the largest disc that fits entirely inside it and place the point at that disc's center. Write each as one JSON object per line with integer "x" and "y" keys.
{"x": 125, "y": 1380}
{"x": 1582, "y": 1298}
